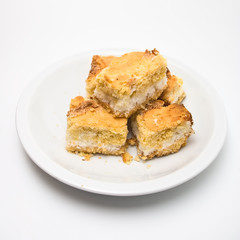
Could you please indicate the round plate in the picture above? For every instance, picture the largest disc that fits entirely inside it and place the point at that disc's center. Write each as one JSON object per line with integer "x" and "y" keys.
{"x": 41, "y": 124}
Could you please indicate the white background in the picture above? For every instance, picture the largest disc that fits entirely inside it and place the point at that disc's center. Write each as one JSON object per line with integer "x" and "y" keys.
{"x": 202, "y": 34}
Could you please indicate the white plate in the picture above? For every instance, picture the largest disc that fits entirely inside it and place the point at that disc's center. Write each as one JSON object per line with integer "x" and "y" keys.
{"x": 41, "y": 125}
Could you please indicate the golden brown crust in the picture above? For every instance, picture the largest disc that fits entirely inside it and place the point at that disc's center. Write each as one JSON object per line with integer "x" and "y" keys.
{"x": 90, "y": 113}
{"x": 150, "y": 105}
{"x": 76, "y": 102}
{"x": 97, "y": 65}
{"x": 80, "y": 106}
{"x": 124, "y": 71}
{"x": 160, "y": 118}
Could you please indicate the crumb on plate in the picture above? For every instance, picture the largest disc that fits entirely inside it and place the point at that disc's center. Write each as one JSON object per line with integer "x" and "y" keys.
{"x": 87, "y": 156}
{"x": 131, "y": 141}
{"x": 127, "y": 158}
{"x": 137, "y": 158}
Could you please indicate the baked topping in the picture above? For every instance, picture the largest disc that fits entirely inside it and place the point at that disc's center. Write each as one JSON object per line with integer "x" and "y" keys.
{"x": 90, "y": 113}
{"x": 165, "y": 117}
{"x": 79, "y": 106}
{"x": 99, "y": 63}
{"x": 132, "y": 65}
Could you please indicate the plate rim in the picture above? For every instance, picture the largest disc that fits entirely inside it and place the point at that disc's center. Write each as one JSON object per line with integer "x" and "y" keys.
{"x": 108, "y": 188}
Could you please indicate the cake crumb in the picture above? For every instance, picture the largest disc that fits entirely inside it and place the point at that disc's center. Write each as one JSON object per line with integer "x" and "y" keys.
{"x": 131, "y": 141}
{"x": 87, "y": 156}
{"x": 137, "y": 158}
{"x": 149, "y": 165}
{"x": 99, "y": 157}
{"x": 127, "y": 158}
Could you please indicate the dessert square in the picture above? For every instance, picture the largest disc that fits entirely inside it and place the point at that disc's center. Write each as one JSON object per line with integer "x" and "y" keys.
{"x": 131, "y": 81}
{"x": 97, "y": 65}
{"x": 91, "y": 129}
{"x": 174, "y": 92}
{"x": 161, "y": 130}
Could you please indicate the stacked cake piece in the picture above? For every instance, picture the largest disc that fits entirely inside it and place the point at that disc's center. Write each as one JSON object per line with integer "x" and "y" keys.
{"x": 136, "y": 87}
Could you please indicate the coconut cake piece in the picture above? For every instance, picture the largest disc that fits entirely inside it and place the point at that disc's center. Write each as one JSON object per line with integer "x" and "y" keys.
{"x": 92, "y": 129}
{"x": 161, "y": 130}
{"x": 97, "y": 65}
{"x": 174, "y": 92}
{"x": 131, "y": 81}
